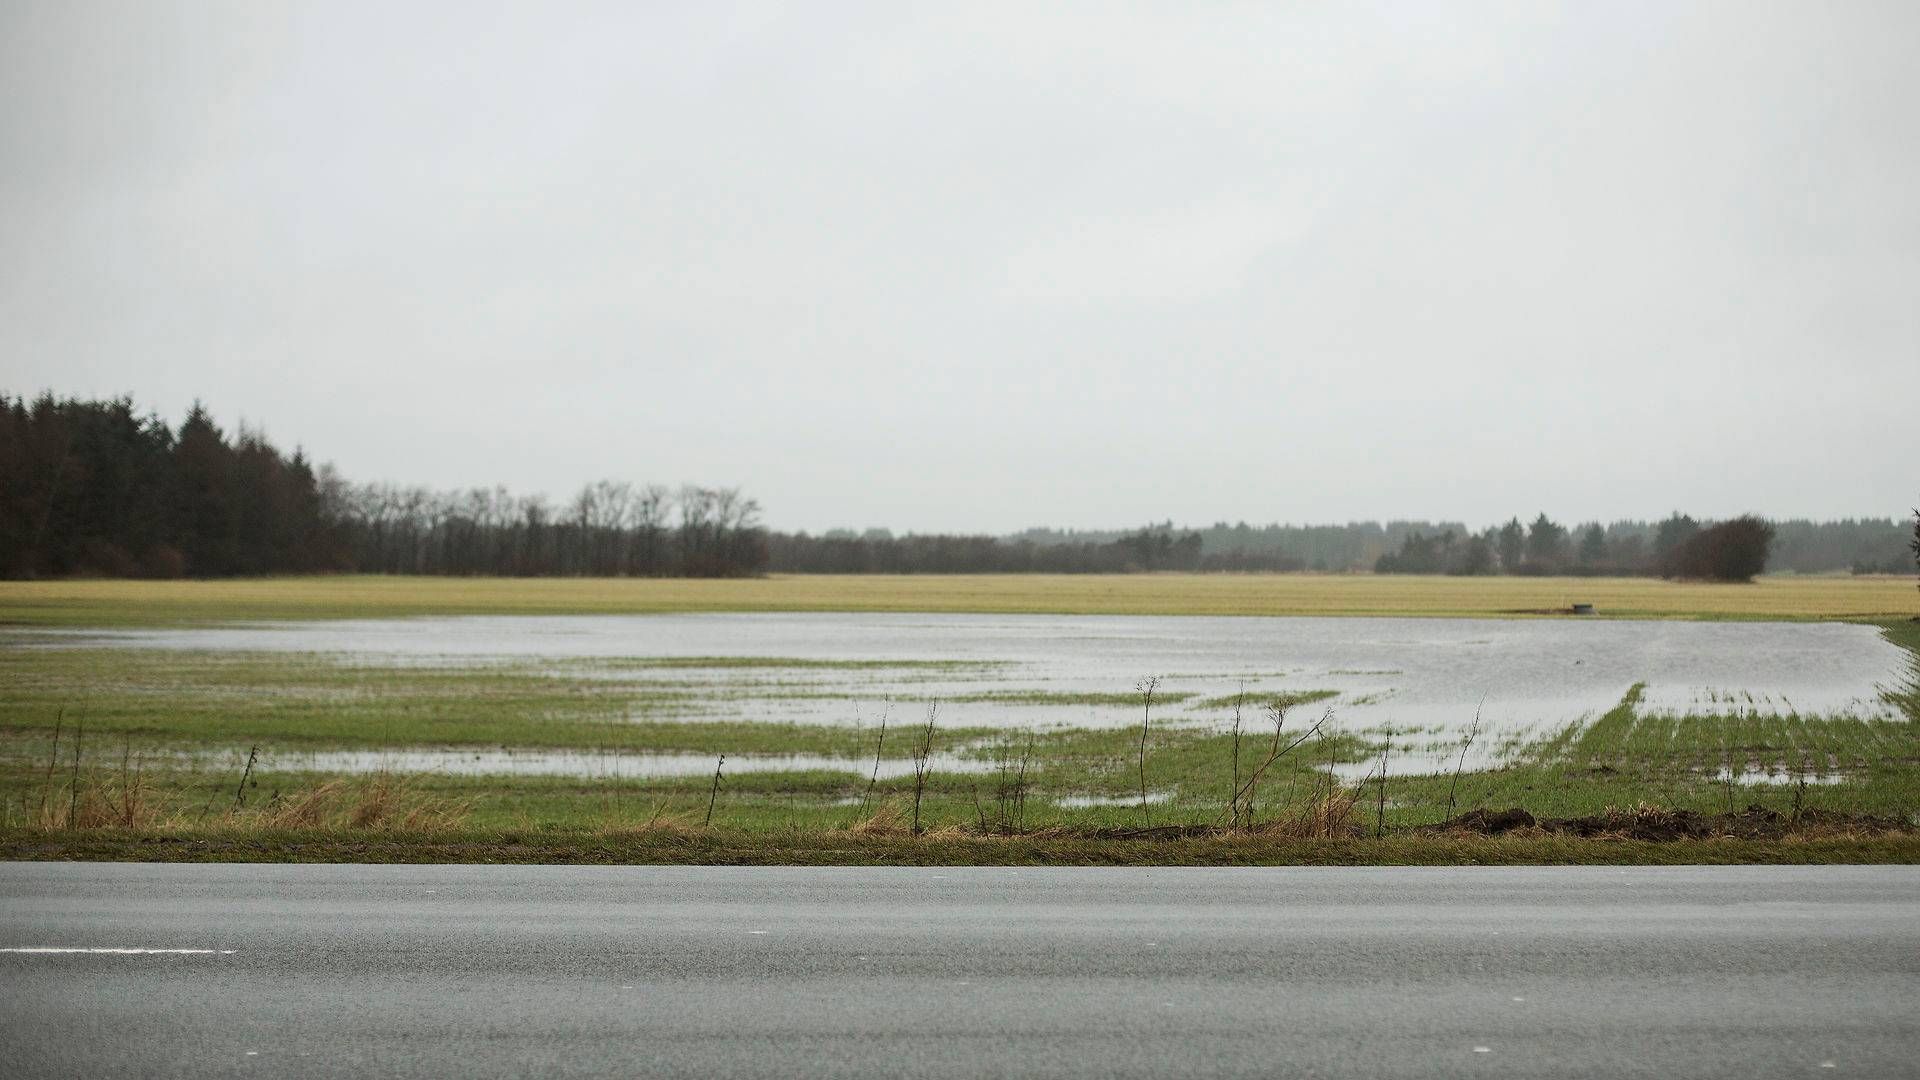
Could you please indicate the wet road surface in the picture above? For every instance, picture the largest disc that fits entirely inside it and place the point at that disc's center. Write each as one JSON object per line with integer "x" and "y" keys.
{"x": 496, "y": 971}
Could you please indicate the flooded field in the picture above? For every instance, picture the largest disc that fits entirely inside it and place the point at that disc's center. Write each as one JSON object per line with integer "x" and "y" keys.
{"x": 523, "y": 721}
{"x": 1421, "y": 677}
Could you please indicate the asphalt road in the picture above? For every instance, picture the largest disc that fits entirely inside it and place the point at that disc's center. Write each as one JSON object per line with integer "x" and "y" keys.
{"x": 494, "y": 971}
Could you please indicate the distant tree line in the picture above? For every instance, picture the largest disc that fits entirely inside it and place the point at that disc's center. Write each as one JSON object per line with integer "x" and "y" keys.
{"x": 1543, "y": 547}
{"x": 1864, "y": 546}
{"x": 93, "y": 488}
{"x": 878, "y": 551}
{"x": 1678, "y": 547}
{"x": 1915, "y": 542}
{"x": 96, "y": 488}
{"x": 1333, "y": 548}
{"x": 610, "y": 529}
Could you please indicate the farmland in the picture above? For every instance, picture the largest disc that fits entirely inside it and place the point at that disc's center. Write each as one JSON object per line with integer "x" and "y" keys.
{"x": 81, "y": 603}
{"x": 107, "y": 750}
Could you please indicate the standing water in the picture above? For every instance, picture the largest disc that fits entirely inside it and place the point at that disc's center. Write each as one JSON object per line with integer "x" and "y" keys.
{"x": 1422, "y": 675}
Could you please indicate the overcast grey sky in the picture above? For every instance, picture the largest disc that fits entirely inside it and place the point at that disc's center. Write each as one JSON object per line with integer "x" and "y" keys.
{"x": 976, "y": 266}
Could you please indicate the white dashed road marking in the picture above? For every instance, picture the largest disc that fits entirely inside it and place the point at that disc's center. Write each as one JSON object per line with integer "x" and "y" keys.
{"x": 124, "y": 951}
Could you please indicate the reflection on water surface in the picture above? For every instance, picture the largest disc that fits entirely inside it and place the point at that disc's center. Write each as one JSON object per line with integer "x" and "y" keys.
{"x": 1423, "y": 677}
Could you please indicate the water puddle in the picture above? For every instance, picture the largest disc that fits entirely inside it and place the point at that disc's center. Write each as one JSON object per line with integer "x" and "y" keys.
{"x": 1773, "y": 778}
{"x": 586, "y": 764}
{"x": 1088, "y": 802}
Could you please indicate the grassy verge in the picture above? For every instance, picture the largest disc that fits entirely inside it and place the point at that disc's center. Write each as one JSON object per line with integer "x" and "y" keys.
{"x": 730, "y": 847}
{"x": 161, "y": 603}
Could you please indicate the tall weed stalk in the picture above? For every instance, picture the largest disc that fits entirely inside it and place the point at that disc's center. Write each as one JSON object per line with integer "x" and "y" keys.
{"x": 1146, "y": 687}
{"x": 923, "y": 763}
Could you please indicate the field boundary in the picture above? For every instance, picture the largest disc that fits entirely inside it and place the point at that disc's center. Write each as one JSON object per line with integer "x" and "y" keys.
{"x": 122, "y": 603}
{"x": 720, "y": 847}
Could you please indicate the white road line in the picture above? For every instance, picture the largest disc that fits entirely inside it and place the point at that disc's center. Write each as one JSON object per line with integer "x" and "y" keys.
{"x": 40, "y": 950}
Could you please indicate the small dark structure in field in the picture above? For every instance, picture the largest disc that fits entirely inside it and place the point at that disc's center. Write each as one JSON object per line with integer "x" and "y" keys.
{"x": 1583, "y": 609}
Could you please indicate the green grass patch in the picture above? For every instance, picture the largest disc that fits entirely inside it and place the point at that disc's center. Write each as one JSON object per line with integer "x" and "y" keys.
{"x": 1252, "y": 702}
{"x": 223, "y": 700}
{"x": 1062, "y": 698}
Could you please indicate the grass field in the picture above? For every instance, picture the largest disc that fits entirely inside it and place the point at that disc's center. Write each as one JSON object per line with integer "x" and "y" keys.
{"x": 151, "y": 603}
{"x": 188, "y": 744}
{"x": 110, "y": 752}
{"x": 146, "y": 743}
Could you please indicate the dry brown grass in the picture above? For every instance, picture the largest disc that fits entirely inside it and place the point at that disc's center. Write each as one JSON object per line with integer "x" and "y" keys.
{"x": 658, "y": 822}
{"x": 886, "y": 820}
{"x": 1326, "y": 815}
{"x": 89, "y": 797}
{"x": 123, "y": 800}
{"x": 307, "y": 809}
{"x": 101, "y": 803}
{"x": 379, "y": 801}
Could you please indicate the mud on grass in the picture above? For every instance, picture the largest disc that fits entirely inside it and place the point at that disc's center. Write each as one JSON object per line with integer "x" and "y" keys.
{"x": 1654, "y": 824}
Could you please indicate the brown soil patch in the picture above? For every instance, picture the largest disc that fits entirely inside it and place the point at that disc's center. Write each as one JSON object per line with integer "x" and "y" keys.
{"x": 1653, "y": 823}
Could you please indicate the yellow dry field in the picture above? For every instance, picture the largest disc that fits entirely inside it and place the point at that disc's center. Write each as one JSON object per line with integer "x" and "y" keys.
{"x": 127, "y": 603}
